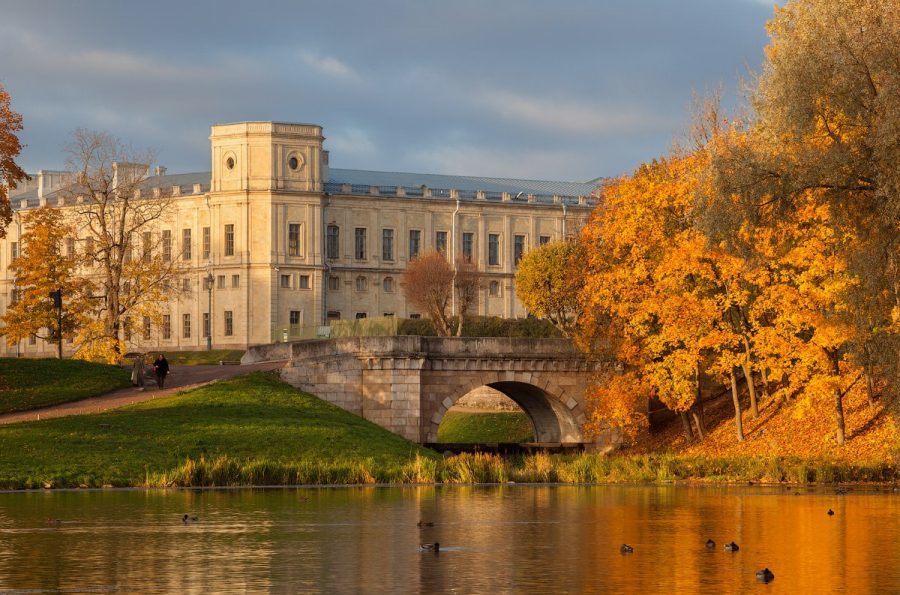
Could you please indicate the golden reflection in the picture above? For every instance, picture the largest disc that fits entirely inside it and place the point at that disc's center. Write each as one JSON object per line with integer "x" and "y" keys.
{"x": 493, "y": 540}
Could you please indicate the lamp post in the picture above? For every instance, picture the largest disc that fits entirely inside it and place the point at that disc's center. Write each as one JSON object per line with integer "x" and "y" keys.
{"x": 209, "y": 286}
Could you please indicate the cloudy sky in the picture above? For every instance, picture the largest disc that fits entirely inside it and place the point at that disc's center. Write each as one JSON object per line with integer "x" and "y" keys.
{"x": 567, "y": 90}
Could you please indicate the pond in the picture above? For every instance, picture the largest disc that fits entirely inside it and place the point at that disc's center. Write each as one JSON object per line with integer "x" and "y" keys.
{"x": 494, "y": 539}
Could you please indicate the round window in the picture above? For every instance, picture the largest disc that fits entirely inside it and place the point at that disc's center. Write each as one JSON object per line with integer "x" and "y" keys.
{"x": 229, "y": 163}
{"x": 293, "y": 163}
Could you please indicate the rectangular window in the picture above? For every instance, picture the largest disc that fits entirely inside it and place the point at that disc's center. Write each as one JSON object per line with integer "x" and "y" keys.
{"x": 186, "y": 326}
{"x": 494, "y": 288}
{"x": 14, "y": 250}
{"x": 229, "y": 239}
{"x": 229, "y": 323}
{"x": 207, "y": 282}
{"x": 126, "y": 325}
{"x": 468, "y": 242}
{"x": 128, "y": 248}
{"x": 440, "y": 241}
{"x": 146, "y": 246}
{"x": 89, "y": 249}
{"x": 518, "y": 249}
{"x": 295, "y": 318}
{"x": 493, "y": 249}
{"x": 361, "y": 315}
{"x": 32, "y": 340}
{"x": 387, "y": 244}
{"x": 220, "y": 282}
{"x": 146, "y": 323}
{"x": 235, "y": 281}
{"x": 285, "y": 281}
{"x": 294, "y": 239}
{"x": 304, "y": 281}
{"x": 167, "y": 245}
{"x": 185, "y": 244}
{"x": 70, "y": 247}
{"x": 186, "y": 285}
{"x": 544, "y": 240}
{"x": 360, "y": 251}
{"x": 205, "y": 324}
{"x": 334, "y": 283}
{"x": 207, "y": 241}
{"x": 333, "y": 246}
{"x": 415, "y": 243}
{"x": 167, "y": 326}
{"x": 333, "y": 315}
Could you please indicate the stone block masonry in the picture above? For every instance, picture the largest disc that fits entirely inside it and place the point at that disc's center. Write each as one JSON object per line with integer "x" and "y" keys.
{"x": 406, "y": 384}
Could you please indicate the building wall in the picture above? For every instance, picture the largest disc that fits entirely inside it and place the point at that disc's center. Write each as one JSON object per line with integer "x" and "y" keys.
{"x": 268, "y": 176}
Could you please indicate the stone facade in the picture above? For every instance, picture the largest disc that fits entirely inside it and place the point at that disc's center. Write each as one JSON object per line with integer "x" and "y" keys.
{"x": 292, "y": 244}
{"x": 407, "y": 384}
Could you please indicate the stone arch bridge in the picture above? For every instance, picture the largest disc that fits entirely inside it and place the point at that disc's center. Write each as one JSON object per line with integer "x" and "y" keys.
{"x": 407, "y": 383}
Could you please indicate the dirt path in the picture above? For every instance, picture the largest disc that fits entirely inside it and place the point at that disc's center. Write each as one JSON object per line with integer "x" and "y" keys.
{"x": 181, "y": 378}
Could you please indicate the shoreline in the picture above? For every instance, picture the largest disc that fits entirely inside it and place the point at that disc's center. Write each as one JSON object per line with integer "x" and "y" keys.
{"x": 859, "y": 488}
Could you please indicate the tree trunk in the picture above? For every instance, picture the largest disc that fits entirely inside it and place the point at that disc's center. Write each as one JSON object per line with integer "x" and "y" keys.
{"x": 698, "y": 421}
{"x": 870, "y": 387}
{"x": 686, "y": 423}
{"x": 738, "y": 422}
{"x": 697, "y": 408}
{"x": 751, "y": 388}
{"x": 764, "y": 378}
{"x": 459, "y": 328}
{"x": 748, "y": 376}
{"x": 838, "y": 399}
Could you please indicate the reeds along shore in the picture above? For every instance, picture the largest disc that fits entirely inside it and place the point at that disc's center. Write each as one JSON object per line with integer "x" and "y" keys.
{"x": 487, "y": 468}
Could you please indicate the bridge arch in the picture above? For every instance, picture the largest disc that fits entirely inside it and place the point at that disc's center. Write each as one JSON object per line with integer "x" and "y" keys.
{"x": 554, "y": 419}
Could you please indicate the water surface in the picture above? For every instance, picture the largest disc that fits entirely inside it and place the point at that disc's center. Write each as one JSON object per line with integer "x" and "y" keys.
{"x": 525, "y": 539}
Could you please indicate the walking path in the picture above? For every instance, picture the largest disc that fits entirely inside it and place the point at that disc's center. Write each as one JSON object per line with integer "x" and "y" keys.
{"x": 179, "y": 379}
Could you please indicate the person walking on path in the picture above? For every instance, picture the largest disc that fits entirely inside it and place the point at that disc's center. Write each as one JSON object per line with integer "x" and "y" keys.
{"x": 137, "y": 371}
{"x": 161, "y": 366}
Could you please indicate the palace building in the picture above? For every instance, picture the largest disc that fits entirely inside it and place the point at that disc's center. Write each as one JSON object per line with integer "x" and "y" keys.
{"x": 273, "y": 241}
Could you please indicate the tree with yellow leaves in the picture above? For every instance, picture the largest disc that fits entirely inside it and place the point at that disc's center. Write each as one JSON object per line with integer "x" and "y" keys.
{"x": 549, "y": 282}
{"x": 47, "y": 263}
{"x": 10, "y": 147}
{"x": 825, "y": 128}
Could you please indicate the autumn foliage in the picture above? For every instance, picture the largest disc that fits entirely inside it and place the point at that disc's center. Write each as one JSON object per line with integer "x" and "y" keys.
{"x": 549, "y": 282}
{"x": 763, "y": 259}
{"x": 45, "y": 266}
{"x": 10, "y": 147}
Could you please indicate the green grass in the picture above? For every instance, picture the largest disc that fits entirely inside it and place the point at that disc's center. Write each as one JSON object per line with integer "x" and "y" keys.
{"x": 257, "y": 430}
{"x": 194, "y": 358}
{"x": 250, "y": 430}
{"x": 32, "y": 383}
{"x": 500, "y": 426}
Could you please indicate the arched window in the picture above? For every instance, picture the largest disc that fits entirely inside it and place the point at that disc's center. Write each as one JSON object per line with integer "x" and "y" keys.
{"x": 388, "y": 284}
{"x": 361, "y": 283}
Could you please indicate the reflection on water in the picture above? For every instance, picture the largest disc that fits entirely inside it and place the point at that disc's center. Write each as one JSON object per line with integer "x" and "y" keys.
{"x": 541, "y": 539}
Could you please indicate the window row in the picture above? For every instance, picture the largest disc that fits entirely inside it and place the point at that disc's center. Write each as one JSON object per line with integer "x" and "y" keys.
{"x": 414, "y": 244}
{"x": 146, "y": 329}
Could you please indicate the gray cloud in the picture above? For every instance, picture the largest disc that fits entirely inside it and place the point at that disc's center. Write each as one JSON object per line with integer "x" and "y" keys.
{"x": 565, "y": 90}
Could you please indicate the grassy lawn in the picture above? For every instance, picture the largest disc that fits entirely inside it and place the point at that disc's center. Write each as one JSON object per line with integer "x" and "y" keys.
{"x": 31, "y": 383}
{"x": 254, "y": 429}
{"x": 502, "y": 426}
{"x": 194, "y": 358}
